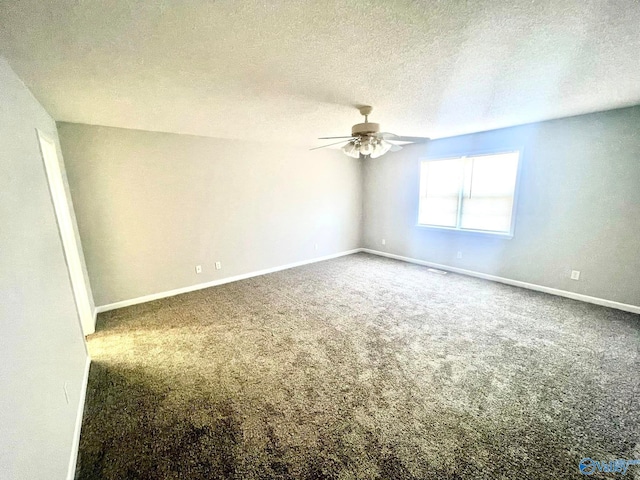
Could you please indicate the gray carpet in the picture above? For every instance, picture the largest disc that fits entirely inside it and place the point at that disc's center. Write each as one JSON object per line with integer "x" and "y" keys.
{"x": 361, "y": 368}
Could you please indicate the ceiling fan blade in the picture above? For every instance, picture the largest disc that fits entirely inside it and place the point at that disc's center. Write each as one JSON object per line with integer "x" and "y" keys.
{"x": 398, "y": 138}
{"x": 395, "y": 148}
{"x": 324, "y": 146}
{"x": 331, "y": 138}
{"x": 413, "y": 139}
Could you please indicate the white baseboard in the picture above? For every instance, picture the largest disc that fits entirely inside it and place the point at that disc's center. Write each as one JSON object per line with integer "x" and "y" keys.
{"x": 200, "y": 286}
{"x": 486, "y": 276}
{"x": 71, "y": 473}
{"x": 516, "y": 283}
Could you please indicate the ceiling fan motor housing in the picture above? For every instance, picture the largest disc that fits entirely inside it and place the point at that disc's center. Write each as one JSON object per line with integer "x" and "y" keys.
{"x": 366, "y": 128}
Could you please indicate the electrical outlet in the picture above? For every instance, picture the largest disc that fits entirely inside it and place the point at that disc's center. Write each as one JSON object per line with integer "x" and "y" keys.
{"x": 198, "y": 268}
{"x": 218, "y": 265}
{"x": 459, "y": 255}
{"x": 315, "y": 246}
{"x": 575, "y": 275}
{"x": 384, "y": 242}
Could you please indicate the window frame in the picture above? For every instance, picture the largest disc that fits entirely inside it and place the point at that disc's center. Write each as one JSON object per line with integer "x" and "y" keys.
{"x": 475, "y": 153}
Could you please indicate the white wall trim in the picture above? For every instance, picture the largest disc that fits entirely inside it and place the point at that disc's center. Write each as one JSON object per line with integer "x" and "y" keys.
{"x": 471, "y": 273}
{"x": 516, "y": 283}
{"x": 71, "y": 473}
{"x": 222, "y": 281}
{"x": 54, "y": 170}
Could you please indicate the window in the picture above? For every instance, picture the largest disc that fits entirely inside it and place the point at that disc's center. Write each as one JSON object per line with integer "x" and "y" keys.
{"x": 473, "y": 193}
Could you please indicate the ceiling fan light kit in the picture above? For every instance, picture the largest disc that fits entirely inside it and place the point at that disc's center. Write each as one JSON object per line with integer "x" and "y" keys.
{"x": 367, "y": 141}
{"x": 366, "y": 146}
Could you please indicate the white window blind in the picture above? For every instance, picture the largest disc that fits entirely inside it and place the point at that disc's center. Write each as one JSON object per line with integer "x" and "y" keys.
{"x": 469, "y": 193}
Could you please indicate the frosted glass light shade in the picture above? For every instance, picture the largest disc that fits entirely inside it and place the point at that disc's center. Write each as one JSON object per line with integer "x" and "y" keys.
{"x": 366, "y": 146}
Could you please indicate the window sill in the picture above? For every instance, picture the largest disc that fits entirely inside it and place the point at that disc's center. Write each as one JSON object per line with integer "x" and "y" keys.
{"x": 481, "y": 233}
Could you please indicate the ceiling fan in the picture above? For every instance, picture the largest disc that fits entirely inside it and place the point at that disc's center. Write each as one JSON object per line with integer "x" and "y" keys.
{"x": 367, "y": 140}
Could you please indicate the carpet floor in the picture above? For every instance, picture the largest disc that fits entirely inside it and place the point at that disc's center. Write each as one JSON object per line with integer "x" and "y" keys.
{"x": 361, "y": 367}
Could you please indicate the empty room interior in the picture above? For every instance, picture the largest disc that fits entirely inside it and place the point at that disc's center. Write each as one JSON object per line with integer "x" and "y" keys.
{"x": 319, "y": 240}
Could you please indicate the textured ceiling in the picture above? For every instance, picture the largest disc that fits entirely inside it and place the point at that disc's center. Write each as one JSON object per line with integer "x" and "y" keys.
{"x": 291, "y": 71}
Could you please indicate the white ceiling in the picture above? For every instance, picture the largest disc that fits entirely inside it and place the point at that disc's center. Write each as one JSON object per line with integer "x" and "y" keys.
{"x": 291, "y": 70}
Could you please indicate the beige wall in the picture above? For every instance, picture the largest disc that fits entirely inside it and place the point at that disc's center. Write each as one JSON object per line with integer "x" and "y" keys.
{"x": 152, "y": 206}
{"x": 578, "y": 207}
{"x": 41, "y": 343}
